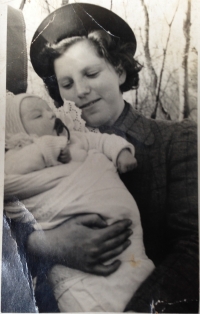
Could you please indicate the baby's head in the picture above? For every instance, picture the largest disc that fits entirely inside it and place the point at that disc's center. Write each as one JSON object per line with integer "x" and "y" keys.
{"x": 37, "y": 117}
{"x": 29, "y": 114}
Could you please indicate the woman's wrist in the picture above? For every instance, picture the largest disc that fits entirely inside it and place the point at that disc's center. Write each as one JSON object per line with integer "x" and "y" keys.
{"x": 47, "y": 246}
{"x": 40, "y": 248}
{"x": 41, "y": 253}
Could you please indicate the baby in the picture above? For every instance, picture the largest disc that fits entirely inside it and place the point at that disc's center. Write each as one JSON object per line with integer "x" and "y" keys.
{"x": 72, "y": 173}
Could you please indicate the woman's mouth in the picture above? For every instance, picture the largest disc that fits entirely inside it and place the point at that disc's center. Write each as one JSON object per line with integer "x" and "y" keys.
{"x": 90, "y": 103}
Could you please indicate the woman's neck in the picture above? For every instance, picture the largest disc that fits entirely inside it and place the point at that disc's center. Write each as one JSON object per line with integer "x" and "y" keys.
{"x": 120, "y": 108}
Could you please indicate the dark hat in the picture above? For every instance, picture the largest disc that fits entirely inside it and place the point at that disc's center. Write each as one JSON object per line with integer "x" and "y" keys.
{"x": 76, "y": 19}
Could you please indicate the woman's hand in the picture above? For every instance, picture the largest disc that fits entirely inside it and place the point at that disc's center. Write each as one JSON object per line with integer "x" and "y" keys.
{"x": 84, "y": 242}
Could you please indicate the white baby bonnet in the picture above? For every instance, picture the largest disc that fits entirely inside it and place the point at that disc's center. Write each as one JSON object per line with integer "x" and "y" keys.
{"x": 15, "y": 131}
{"x": 13, "y": 119}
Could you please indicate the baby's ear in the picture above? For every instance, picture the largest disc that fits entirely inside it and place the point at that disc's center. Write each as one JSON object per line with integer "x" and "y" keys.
{"x": 121, "y": 73}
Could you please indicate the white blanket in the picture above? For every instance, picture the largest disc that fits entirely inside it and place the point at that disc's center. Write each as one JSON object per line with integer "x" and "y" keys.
{"x": 88, "y": 189}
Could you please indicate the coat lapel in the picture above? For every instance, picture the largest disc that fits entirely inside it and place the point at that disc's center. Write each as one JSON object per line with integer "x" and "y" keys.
{"x": 133, "y": 124}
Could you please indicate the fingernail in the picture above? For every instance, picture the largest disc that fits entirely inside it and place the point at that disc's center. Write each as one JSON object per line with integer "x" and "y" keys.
{"x": 117, "y": 262}
{"x": 130, "y": 232}
{"x": 129, "y": 222}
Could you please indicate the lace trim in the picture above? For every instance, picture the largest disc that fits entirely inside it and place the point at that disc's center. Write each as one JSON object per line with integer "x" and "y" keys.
{"x": 75, "y": 114}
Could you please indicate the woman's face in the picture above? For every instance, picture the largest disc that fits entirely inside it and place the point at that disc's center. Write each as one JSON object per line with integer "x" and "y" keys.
{"x": 91, "y": 82}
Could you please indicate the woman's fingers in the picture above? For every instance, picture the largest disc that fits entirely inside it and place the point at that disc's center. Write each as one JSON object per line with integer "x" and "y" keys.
{"x": 114, "y": 230}
{"x": 113, "y": 253}
{"x": 91, "y": 221}
{"x": 117, "y": 241}
{"x": 104, "y": 270}
{"x": 110, "y": 248}
{"x": 109, "y": 240}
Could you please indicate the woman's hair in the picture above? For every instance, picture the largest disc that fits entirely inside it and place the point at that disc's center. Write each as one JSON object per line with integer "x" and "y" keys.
{"x": 109, "y": 47}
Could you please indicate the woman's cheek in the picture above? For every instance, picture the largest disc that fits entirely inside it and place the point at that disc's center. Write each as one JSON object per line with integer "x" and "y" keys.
{"x": 62, "y": 93}
{"x": 67, "y": 94}
{"x": 95, "y": 120}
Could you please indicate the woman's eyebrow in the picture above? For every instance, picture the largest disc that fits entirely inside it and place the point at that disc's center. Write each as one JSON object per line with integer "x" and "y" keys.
{"x": 63, "y": 79}
{"x": 91, "y": 67}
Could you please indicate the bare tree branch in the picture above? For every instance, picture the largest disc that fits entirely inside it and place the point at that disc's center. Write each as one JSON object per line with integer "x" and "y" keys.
{"x": 111, "y": 4}
{"x": 22, "y": 4}
{"x": 124, "y": 6}
{"x": 153, "y": 116}
{"x": 170, "y": 80}
{"x": 64, "y": 2}
{"x": 48, "y": 6}
{"x": 164, "y": 111}
{"x": 193, "y": 109}
{"x": 141, "y": 36}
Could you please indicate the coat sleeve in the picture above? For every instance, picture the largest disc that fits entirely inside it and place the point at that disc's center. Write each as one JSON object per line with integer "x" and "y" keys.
{"x": 173, "y": 286}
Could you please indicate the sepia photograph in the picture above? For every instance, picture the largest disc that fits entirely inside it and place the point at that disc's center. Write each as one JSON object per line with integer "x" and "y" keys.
{"x": 100, "y": 183}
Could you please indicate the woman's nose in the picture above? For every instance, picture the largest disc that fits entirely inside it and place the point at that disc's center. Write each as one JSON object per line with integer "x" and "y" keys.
{"x": 82, "y": 88}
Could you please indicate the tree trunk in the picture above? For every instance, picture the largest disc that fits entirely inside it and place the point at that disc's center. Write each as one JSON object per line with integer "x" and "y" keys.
{"x": 186, "y": 30}
{"x": 152, "y": 83}
{"x": 153, "y": 75}
{"x": 184, "y": 108}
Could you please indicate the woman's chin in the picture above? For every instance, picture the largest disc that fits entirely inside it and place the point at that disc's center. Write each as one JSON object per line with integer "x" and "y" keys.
{"x": 94, "y": 121}
{"x": 93, "y": 124}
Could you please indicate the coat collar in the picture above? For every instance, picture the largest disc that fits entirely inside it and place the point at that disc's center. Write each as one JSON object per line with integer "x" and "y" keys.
{"x": 132, "y": 123}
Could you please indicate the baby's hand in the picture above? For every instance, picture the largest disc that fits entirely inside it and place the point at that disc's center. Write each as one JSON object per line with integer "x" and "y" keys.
{"x": 65, "y": 155}
{"x": 126, "y": 161}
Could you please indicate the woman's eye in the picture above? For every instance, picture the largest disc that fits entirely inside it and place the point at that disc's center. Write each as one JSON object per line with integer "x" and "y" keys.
{"x": 94, "y": 74}
{"x": 39, "y": 116}
{"x": 67, "y": 86}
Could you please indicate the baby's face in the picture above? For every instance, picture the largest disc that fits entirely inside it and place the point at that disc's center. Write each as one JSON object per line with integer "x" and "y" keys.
{"x": 37, "y": 117}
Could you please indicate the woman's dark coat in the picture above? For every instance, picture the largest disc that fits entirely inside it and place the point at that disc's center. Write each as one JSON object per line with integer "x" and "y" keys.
{"x": 164, "y": 186}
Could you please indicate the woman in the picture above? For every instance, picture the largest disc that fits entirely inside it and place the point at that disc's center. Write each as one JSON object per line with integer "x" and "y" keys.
{"x": 93, "y": 72}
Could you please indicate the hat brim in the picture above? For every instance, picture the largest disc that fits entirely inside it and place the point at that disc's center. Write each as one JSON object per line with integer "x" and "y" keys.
{"x": 76, "y": 19}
